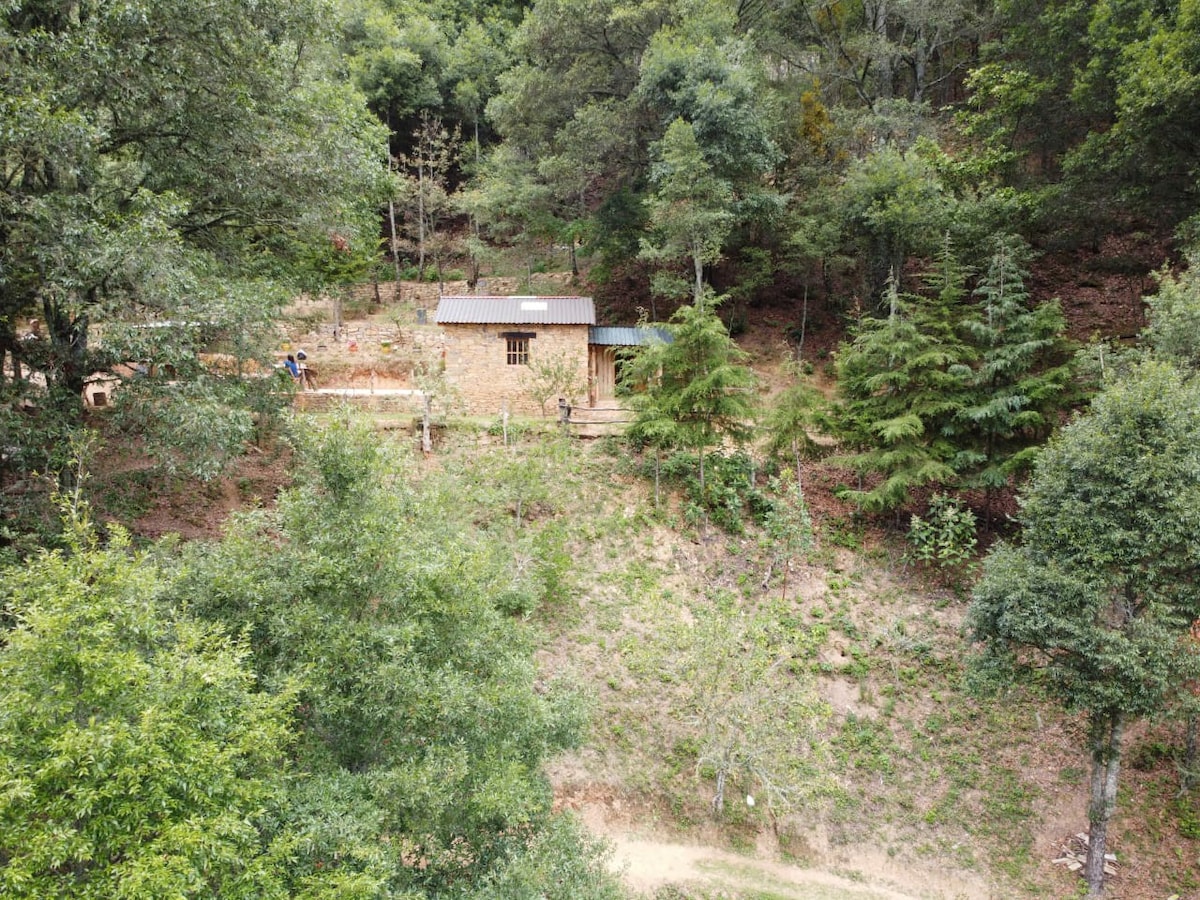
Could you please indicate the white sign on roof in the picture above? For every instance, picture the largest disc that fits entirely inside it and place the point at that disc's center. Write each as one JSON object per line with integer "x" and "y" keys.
{"x": 534, "y": 306}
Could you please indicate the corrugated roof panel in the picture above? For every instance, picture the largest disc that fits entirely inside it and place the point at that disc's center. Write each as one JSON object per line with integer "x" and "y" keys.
{"x": 475, "y": 310}
{"x": 626, "y": 336}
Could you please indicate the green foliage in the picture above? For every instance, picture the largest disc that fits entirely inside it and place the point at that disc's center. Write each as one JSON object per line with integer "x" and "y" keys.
{"x": 421, "y": 735}
{"x": 139, "y": 756}
{"x": 946, "y": 536}
{"x": 787, "y": 529}
{"x": 895, "y": 204}
{"x": 40, "y": 439}
{"x": 728, "y": 496}
{"x": 694, "y": 391}
{"x": 901, "y": 382}
{"x": 792, "y": 419}
{"x": 1022, "y": 376}
{"x": 142, "y": 185}
{"x": 949, "y": 391}
{"x": 1101, "y": 90}
{"x": 557, "y": 376}
{"x": 1143, "y": 68}
{"x": 511, "y": 204}
{"x": 689, "y": 211}
{"x": 514, "y": 485}
{"x": 751, "y": 705}
{"x": 699, "y": 74}
{"x": 1174, "y": 313}
{"x": 554, "y": 565}
{"x": 1097, "y": 602}
{"x": 192, "y": 427}
{"x": 1102, "y": 584}
{"x": 562, "y": 862}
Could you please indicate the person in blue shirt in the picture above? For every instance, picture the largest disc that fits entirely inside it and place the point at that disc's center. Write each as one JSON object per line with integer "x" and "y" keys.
{"x": 292, "y": 367}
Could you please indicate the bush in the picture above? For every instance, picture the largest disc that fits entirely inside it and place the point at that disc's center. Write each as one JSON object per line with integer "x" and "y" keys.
{"x": 947, "y": 537}
{"x": 729, "y": 496}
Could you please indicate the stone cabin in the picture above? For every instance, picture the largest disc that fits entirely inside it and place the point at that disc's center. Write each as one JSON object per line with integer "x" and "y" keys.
{"x": 491, "y": 342}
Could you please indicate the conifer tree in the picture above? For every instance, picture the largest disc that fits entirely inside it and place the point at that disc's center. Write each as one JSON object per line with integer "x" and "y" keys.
{"x": 902, "y": 381}
{"x": 1021, "y": 377}
{"x": 698, "y": 388}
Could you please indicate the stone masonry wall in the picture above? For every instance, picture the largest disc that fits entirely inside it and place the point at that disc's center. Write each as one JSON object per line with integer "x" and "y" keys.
{"x": 476, "y": 363}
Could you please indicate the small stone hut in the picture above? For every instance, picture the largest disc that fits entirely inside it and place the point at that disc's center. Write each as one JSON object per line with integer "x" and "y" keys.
{"x": 491, "y": 343}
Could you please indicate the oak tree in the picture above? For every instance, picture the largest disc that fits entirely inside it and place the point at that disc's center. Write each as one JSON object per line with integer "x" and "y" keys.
{"x": 1095, "y": 603}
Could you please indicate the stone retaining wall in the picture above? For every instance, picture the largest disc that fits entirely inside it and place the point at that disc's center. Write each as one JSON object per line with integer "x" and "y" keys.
{"x": 408, "y": 403}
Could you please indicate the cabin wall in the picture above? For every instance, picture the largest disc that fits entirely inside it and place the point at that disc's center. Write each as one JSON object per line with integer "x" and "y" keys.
{"x": 477, "y": 364}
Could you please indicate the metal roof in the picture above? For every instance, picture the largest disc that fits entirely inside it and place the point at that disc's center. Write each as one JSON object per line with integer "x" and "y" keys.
{"x": 475, "y": 310}
{"x": 627, "y": 336}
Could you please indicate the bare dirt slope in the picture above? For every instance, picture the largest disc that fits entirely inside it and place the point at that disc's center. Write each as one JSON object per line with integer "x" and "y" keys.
{"x": 933, "y": 792}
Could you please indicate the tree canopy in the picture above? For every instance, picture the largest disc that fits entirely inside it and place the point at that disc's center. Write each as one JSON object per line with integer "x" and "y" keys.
{"x": 139, "y": 756}
{"x": 167, "y": 161}
{"x": 1096, "y": 602}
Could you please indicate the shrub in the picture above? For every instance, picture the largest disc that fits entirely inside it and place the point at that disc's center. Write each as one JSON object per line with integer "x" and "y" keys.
{"x": 947, "y": 537}
{"x": 729, "y": 496}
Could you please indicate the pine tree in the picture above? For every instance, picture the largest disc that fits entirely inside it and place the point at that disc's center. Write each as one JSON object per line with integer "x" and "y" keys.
{"x": 1021, "y": 377}
{"x": 902, "y": 381}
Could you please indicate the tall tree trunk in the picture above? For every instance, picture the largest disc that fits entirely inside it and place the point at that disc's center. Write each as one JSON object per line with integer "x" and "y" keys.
{"x": 1106, "y": 733}
{"x": 473, "y": 280}
{"x": 68, "y": 338}
{"x": 885, "y": 69}
{"x": 394, "y": 245}
{"x": 420, "y": 221}
{"x": 920, "y": 66}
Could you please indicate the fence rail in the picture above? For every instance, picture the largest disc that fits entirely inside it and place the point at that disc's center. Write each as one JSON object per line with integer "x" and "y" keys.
{"x": 568, "y": 415}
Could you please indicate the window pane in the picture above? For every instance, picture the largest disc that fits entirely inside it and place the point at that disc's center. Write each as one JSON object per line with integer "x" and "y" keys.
{"x": 517, "y": 351}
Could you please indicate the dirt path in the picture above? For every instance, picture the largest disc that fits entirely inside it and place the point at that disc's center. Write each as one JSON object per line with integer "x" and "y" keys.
{"x": 648, "y": 865}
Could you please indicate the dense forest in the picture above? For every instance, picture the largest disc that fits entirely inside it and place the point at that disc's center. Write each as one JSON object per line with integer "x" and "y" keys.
{"x": 338, "y": 698}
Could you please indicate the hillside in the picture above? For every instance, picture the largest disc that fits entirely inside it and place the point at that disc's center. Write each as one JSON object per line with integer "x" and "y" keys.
{"x": 924, "y": 791}
{"x": 912, "y": 787}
